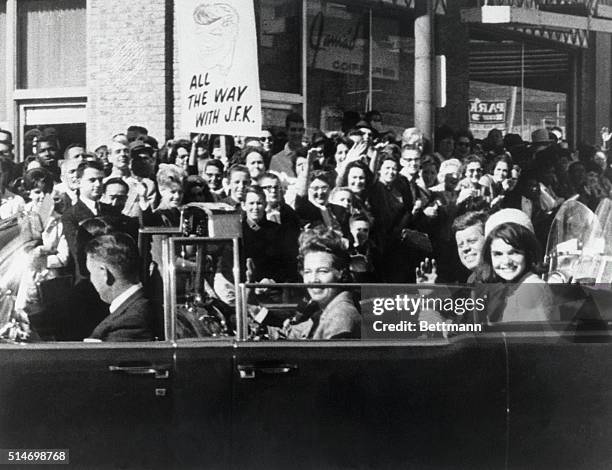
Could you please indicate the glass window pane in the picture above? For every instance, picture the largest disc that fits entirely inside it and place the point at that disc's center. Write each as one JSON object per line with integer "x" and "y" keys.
{"x": 337, "y": 62}
{"x": 279, "y": 41}
{"x": 51, "y": 38}
{"x": 203, "y": 290}
{"x": 393, "y": 71}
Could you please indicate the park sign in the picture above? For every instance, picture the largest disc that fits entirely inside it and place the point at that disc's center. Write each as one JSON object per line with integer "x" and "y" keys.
{"x": 487, "y": 112}
{"x": 218, "y": 68}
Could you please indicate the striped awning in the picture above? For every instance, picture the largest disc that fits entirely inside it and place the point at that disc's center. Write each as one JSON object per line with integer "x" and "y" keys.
{"x": 509, "y": 63}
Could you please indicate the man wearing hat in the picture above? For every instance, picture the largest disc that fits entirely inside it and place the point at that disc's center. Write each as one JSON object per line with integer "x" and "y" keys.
{"x": 540, "y": 139}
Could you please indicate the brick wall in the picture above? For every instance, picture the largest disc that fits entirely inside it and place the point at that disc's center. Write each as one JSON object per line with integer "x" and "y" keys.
{"x": 127, "y": 71}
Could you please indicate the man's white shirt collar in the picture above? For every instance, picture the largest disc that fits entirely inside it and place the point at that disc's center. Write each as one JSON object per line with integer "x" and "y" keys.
{"x": 126, "y": 294}
{"x": 91, "y": 205}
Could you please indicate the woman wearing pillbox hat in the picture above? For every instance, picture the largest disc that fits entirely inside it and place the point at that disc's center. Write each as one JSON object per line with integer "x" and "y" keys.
{"x": 510, "y": 260}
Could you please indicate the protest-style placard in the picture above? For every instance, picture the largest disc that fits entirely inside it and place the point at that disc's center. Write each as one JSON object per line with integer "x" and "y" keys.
{"x": 218, "y": 68}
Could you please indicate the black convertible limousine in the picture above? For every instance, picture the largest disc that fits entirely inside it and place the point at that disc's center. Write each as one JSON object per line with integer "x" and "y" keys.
{"x": 529, "y": 396}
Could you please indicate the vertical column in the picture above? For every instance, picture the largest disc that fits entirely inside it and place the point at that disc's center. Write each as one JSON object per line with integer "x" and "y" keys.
{"x": 424, "y": 75}
{"x": 11, "y": 72}
{"x": 603, "y": 82}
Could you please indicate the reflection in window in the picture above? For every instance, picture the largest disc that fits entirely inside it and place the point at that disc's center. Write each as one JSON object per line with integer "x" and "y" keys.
{"x": 279, "y": 38}
{"x": 51, "y": 38}
{"x": 341, "y": 69}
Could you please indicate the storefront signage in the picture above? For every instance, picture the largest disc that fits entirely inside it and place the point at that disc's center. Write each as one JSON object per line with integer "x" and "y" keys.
{"x": 339, "y": 43}
{"x": 487, "y": 112}
{"x": 219, "y": 74}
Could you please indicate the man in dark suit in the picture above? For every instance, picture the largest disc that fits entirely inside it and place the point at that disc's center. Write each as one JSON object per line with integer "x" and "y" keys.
{"x": 90, "y": 175}
{"x": 112, "y": 262}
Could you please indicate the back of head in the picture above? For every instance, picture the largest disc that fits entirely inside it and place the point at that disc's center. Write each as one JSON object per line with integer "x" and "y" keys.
{"x": 119, "y": 252}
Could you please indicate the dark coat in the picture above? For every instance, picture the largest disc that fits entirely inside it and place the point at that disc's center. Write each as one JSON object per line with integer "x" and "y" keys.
{"x": 71, "y": 219}
{"x": 311, "y": 214}
{"x": 132, "y": 321}
{"x": 268, "y": 251}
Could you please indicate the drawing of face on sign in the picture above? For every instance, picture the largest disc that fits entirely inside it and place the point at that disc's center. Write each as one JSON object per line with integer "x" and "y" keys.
{"x": 217, "y": 28}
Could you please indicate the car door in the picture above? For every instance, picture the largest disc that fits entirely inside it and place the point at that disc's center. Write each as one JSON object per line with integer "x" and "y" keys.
{"x": 370, "y": 404}
{"x": 560, "y": 400}
{"x": 109, "y": 404}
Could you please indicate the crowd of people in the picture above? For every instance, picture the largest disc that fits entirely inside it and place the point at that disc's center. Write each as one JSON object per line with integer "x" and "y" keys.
{"x": 384, "y": 207}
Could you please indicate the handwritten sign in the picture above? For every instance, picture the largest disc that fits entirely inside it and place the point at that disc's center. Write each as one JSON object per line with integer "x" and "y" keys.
{"x": 219, "y": 74}
{"x": 487, "y": 112}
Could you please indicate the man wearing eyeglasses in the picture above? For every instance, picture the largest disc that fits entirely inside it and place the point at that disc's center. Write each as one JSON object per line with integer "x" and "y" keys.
{"x": 283, "y": 162}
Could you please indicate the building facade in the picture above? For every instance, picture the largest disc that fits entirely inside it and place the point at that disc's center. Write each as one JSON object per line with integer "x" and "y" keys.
{"x": 91, "y": 68}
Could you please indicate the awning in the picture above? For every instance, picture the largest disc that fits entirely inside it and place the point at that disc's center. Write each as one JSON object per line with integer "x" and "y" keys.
{"x": 543, "y": 20}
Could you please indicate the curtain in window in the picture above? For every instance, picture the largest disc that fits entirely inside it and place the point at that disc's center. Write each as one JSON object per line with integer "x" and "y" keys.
{"x": 51, "y": 43}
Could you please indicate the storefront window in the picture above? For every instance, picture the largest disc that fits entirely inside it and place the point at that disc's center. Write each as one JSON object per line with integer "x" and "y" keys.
{"x": 51, "y": 44}
{"x": 279, "y": 41}
{"x": 358, "y": 59}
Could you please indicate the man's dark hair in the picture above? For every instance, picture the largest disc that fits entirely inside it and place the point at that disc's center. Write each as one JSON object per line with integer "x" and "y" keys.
{"x": 119, "y": 251}
{"x": 118, "y": 181}
{"x": 216, "y": 163}
{"x": 150, "y": 141}
{"x": 470, "y": 219}
{"x": 255, "y": 190}
{"x": 139, "y": 129}
{"x": 293, "y": 117}
{"x": 237, "y": 168}
{"x": 38, "y": 178}
{"x": 96, "y": 165}
{"x": 71, "y": 146}
{"x": 49, "y": 139}
{"x": 464, "y": 133}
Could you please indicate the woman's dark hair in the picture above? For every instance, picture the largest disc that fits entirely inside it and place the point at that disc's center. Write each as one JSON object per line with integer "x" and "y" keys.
{"x": 386, "y": 157}
{"x": 323, "y": 239}
{"x": 369, "y": 177}
{"x": 248, "y": 150}
{"x": 500, "y": 158}
{"x": 343, "y": 140}
{"x": 471, "y": 159}
{"x": 38, "y": 178}
{"x": 517, "y": 236}
{"x": 215, "y": 141}
{"x": 195, "y": 181}
{"x": 183, "y": 143}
